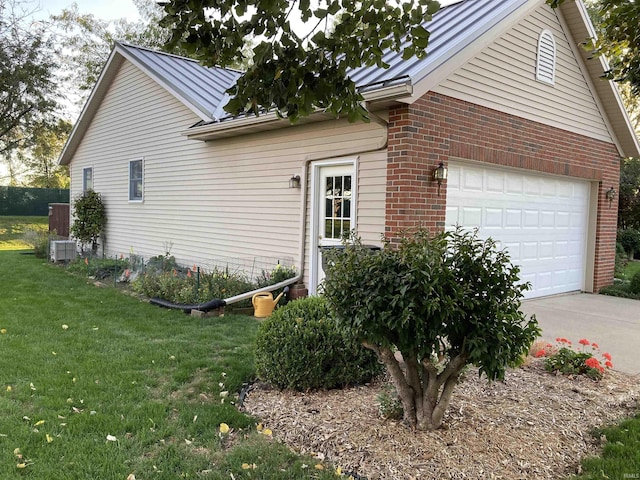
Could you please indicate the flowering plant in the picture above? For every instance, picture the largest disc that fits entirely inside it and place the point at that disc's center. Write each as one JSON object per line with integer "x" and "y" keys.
{"x": 564, "y": 359}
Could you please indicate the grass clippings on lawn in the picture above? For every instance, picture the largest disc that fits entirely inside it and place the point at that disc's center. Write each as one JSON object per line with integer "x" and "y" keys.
{"x": 535, "y": 425}
{"x": 99, "y": 385}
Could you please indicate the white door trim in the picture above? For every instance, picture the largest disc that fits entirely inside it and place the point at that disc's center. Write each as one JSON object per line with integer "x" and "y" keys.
{"x": 315, "y": 211}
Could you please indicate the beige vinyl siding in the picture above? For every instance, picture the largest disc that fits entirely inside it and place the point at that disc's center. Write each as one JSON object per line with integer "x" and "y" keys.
{"x": 502, "y": 77}
{"x": 216, "y": 203}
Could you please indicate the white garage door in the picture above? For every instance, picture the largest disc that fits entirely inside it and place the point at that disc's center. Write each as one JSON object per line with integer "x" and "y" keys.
{"x": 541, "y": 220}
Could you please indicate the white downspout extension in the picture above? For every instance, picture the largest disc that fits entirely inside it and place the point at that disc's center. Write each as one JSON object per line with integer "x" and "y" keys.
{"x": 303, "y": 234}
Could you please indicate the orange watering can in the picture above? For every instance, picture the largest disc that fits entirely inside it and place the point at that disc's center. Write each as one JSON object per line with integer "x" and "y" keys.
{"x": 263, "y": 304}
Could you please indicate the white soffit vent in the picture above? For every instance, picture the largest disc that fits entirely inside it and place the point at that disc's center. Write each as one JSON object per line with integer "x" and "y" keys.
{"x": 546, "y": 63}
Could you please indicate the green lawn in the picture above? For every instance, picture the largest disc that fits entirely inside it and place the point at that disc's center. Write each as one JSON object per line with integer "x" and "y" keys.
{"x": 13, "y": 229}
{"x": 98, "y": 385}
{"x": 621, "y": 454}
{"x": 631, "y": 269}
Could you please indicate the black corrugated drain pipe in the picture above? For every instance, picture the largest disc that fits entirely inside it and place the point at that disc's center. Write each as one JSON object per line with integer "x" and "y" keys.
{"x": 218, "y": 302}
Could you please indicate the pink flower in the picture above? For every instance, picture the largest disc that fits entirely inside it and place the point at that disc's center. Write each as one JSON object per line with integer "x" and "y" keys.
{"x": 607, "y": 355}
{"x": 608, "y": 364}
{"x": 595, "y": 345}
{"x": 584, "y": 341}
{"x": 540, "y": 353}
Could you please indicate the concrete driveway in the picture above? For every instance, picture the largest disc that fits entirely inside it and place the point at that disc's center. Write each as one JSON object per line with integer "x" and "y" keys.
{"x": 612, "y": 322}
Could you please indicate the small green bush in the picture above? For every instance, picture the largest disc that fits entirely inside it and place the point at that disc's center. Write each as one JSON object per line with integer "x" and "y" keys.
{"x": 98, "y": 268}
{"x": 300, "y": 347}
{"x": 634, "y": 285}
{"x": 620, "y": 262}
{"x": 570, "y": 362}
{"x": 39, "y": 240}
{"x": 619, "y": 290}
{"x": 181, "y": 285}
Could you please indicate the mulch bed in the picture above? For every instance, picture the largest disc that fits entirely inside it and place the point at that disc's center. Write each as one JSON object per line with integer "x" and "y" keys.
{"x": 534, "y": 425}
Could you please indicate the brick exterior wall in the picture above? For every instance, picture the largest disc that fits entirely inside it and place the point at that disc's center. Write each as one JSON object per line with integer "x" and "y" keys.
{"x": 436, "y": 128}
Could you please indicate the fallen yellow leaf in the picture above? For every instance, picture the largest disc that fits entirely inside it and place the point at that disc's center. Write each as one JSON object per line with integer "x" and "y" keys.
{"x": 21, "y": 465}
{"x": 9, "y": 388}
{"x": 16, "y": 451}
{"x": 38, "y": 423}
{"x": 319, "y": 466}
{"x": 246, "y": 466}
{"x": 49, "y": 438}
{"x": 224, "y": 428}
{"x": 267, "y": 432}
{"x": 3, "y": 331}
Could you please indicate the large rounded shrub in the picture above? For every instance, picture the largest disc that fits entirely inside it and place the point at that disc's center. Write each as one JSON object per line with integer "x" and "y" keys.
{"x": 300, "y": 347}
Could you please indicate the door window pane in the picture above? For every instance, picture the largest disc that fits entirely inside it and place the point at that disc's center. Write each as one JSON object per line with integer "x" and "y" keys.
{"x": 337, "y": 214}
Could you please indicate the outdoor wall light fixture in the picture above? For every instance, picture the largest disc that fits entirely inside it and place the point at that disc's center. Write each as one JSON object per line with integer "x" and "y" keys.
{"x": 440, "y": 174}
{"x": 610, "y": 195}
{"x": 294, "y": 181}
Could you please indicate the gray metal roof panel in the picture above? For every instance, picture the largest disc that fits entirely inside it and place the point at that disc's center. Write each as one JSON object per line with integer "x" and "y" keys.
{"x": 203, "y": 87}
{"x": 451, "y": 29}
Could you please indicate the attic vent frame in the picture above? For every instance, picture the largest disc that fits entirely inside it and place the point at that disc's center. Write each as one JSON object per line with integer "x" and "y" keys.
{"x": 546, "y": 61}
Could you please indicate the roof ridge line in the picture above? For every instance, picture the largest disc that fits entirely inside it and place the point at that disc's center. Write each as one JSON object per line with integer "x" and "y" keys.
{"x": 180, "y": 57}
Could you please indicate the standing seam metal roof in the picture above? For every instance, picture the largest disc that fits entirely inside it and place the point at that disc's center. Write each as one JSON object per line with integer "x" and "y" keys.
{"x": 203, "y": 87}
{"x": 452, "y": 28}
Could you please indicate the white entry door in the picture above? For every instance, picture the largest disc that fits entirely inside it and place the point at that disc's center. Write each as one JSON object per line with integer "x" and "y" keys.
{"x": 334, "y": 212}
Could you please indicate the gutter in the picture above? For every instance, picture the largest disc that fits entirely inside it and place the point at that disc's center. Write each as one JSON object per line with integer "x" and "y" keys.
{"x": 236, "y": 127}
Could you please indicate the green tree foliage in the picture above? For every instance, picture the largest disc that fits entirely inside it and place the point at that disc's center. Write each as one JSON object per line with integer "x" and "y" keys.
{"x": 89, "y": 218}
{"x": 86, "y": 41}
{"x": 443, "y": 302}
{"x": 27, "y": 82}
{"x": 629, "y": 195}
{"x": 618, "y": 26}
{"x": 295, "y": 73}
{"x": 629, "y": 238}
{"x": 40, "y": 156}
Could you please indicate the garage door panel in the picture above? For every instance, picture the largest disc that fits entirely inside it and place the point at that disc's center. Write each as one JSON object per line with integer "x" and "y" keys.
{"x": 514, "y": 184}
{"x": 471, "y": 217}
{"x": 472, "y": 180}
{"x": 540, "y": 220}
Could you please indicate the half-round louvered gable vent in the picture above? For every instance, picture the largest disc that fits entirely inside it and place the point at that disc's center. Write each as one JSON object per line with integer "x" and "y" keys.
{"x": 546, "y": 64}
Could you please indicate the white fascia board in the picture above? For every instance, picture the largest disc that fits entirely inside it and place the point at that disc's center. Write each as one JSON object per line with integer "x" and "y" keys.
{"x": 607, "y": 95}
{"x": 205, "y": 132}
{"x": 90, "y": 107}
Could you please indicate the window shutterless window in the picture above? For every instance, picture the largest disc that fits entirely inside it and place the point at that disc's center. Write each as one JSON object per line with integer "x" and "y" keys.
{"x": 87, "y": 179}
{"x": 136, "y": 180}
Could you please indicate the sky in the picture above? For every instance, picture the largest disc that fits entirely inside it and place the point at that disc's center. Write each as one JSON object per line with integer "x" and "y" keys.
{"x": 103, "y": 9}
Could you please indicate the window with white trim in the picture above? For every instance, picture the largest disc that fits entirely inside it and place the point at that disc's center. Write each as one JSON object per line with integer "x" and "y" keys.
{"x": 136, "y": 180}
{"x": 546, "y": 62}
{"x": 87, "y": 179}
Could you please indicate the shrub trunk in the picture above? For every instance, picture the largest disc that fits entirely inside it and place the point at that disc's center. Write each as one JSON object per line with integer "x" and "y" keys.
{"x": 425, "y": 394}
